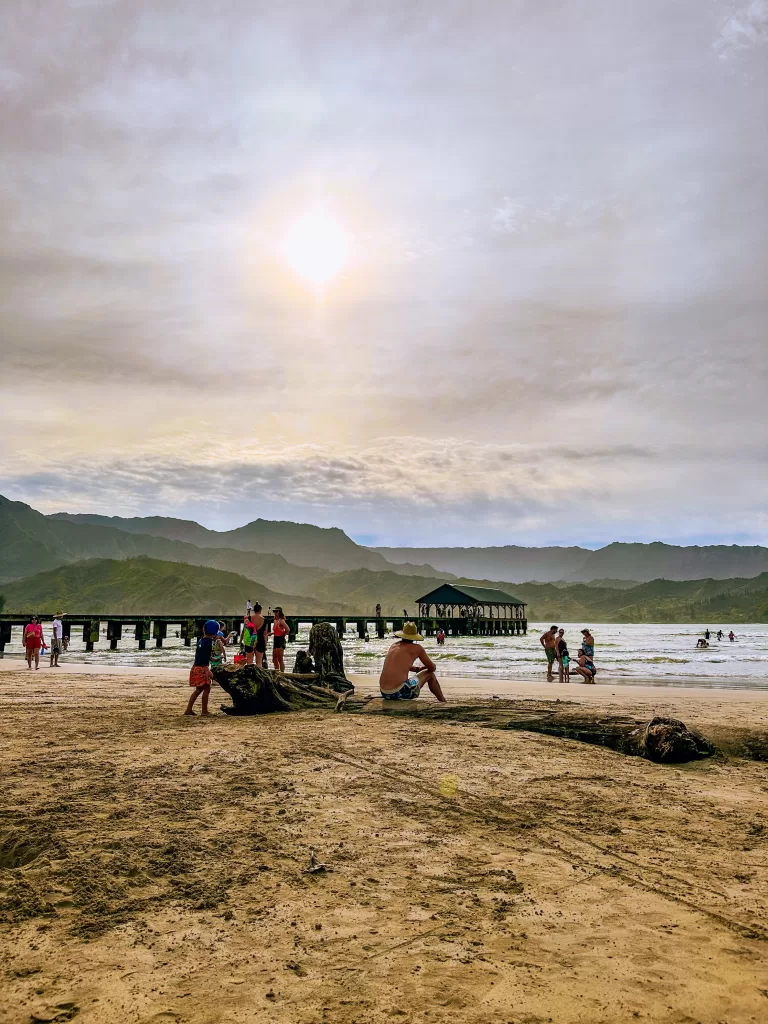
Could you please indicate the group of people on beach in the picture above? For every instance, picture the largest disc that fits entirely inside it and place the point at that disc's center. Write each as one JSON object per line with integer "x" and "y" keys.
{"x": 35, "y": 645}
{"x": 210, "y": 652}
{"x": 556, "y": 650}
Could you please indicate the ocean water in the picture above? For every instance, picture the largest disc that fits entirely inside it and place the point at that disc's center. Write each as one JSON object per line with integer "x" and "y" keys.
{"x": 624, "y": 654}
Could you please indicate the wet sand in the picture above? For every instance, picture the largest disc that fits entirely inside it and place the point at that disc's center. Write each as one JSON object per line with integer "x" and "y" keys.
{"x": 152, "y": 867}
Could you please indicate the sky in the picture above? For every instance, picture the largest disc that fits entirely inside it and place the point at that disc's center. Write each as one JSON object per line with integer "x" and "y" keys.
{"x": 543, "y": 312}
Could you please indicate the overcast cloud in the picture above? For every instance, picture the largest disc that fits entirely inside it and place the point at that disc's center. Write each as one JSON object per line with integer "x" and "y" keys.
{"x": 552, "y": 325}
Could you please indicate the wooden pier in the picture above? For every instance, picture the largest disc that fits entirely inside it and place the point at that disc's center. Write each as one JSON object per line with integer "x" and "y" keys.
{"x": 156, "y": 627}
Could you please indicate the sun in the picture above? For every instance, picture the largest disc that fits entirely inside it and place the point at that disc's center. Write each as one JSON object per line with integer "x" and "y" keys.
{"x": 316, "y": 247}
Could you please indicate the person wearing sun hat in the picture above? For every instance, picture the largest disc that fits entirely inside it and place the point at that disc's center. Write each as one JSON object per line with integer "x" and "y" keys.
{"x": 200, "y": 673}
{"x": 402, "y": 677}
{"x": 57, "y": 645}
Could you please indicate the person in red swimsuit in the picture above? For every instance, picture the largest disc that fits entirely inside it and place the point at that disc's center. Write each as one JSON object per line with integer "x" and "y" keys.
{"x": 33, "y": 641}
{"x": 280, "y": 631}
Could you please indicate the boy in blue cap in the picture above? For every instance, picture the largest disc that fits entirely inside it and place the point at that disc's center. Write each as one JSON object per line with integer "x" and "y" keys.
{"x": 200, "y": 673}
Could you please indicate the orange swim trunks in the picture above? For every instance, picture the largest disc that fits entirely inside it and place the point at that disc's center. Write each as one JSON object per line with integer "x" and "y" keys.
{"x": 199, "y": 675}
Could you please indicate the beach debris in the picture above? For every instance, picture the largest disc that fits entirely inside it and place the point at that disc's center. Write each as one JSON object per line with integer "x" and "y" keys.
{"x": 670, "y": 741}
{"x": 257, "y": 691}
{"x": 303, "y": 665}
{"x": 314, "y": 866}
{"x": 343, "y": 700}
{"x": 663, "y": 740}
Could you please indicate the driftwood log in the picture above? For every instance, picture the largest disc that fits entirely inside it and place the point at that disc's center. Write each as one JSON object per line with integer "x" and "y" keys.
{"x": 663, "y": 740}
{"x": 316, "y": 682}
{"x": 259, "y": 691}
{"x": 327, "y": 656}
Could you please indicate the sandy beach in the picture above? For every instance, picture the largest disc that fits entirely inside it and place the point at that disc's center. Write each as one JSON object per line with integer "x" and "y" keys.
{"x": 153, "y": 867}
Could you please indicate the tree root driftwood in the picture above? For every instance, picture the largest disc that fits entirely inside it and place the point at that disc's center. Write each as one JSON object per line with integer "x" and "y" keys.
{"x": 663, "y": 740}
{"x": 316, "y": 682}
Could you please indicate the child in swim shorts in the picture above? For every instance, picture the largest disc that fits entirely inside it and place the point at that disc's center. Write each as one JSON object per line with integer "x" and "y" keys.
{"x": 200, "y": 673}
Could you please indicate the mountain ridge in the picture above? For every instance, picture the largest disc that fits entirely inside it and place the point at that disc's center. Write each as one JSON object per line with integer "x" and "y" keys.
{"x": 617, "y": 561}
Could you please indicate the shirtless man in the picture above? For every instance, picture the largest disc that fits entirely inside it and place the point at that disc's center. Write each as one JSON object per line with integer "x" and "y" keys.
{"x": 397, "y": 680}
{"x": 547, "y": 641}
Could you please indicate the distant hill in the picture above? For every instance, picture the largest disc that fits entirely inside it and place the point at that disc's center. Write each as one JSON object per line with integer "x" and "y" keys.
{"x": 299, "y": 543}
{"x": 730, "y": 601}
{"x": 631, "y": 562}
{"x": 146, "y": 585}
{"x": 31, "y": 542}
{"x": 511, "y": 562}
{"x": 152, "y": 586}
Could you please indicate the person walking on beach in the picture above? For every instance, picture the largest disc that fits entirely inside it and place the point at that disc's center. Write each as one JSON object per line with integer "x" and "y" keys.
{"x": 33, "y": 641}
{"x": 547, "y": 641}
{"x": 401, "y": 678}
{"x": 588, "y": 643}
{"x": 57, "y": 630}
{"x": 378, "y": 611}
{"x": 586, "y": 667}
{"x": 563, "y": 658}
{"x": 280, "y": 630}
{"x": 200, "y": 673}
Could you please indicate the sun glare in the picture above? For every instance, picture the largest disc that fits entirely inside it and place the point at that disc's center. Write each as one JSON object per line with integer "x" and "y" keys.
{"x": 316, "y": 247}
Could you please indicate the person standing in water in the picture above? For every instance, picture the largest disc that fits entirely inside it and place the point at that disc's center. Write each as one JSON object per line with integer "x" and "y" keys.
{"x": 547, "y": 641}
{"x": 706, "y": 633}
{"x": 563, "y": 658}
{"x": 401, "y": 678}
{"x": 588, "y": 643}
{"x": 280, "y": 630}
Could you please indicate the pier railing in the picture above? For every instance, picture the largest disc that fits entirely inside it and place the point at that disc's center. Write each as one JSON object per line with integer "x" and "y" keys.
{"x": 190, "y": 627}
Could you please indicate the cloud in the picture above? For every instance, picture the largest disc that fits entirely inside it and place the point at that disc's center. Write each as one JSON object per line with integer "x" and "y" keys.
{"x": 407, "y": 490}
{"x": 557, "y": 296}
{"x": 744, "y": 26}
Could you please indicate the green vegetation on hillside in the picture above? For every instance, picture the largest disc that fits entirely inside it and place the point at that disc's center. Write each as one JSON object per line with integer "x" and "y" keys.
{"x": 144, "y": 585}
{"x": 151, "y": 586}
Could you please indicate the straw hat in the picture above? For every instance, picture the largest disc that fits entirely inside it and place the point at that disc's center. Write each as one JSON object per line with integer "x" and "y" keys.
{"x": 409, "y": 632}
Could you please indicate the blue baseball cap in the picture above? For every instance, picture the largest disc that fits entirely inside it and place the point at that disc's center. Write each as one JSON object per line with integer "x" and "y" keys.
{"x": 211, "y": 627}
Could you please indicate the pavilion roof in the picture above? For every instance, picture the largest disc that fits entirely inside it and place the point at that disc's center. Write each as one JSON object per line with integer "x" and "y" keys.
{"x": 455, "y": 593}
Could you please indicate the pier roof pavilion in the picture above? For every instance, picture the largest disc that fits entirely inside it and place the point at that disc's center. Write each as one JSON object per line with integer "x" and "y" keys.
{"x": 474, "y": 602}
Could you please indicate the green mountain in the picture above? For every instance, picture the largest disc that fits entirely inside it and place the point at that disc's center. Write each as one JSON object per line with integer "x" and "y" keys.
{"x": 300, "y": 544}
{"x": 730, "y": 601}
{"x": 145, "y": 585}
{"x": 707, "y": 601}
{"x": 31, "y": 542}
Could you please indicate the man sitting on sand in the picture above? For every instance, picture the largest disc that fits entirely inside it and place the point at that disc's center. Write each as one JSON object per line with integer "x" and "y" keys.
{"x": 547, "y": 641}
{"x": 397, "y": 680}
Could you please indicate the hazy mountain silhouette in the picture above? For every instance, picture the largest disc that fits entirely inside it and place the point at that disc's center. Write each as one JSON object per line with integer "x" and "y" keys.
{"x": 617, "y": 561}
